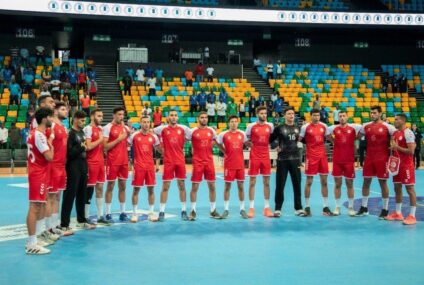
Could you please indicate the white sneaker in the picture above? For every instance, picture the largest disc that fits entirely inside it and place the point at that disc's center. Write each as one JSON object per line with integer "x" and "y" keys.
{"x": 36, "y": 250}
{"x": 46, "y": 238}
{"x": 57, "y": 231}
{"x": 54, "y": 237}
{"x": 337, "y": 211}
{"x": 42, "y": 243}
{"x": 351, "y": 212}
{"x": 300, "y": 213}
{"x": 67, "y": 231}
{"x": 86, "y": 226}
{"x": 134, "y": 218}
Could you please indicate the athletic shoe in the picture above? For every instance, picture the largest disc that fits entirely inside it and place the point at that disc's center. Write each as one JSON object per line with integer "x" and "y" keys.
{"x": 337, "y": 211}
{"x": 54, "y": 237}
{"x": 44, "y": 238}
{"x": 50, "y": 236}
{"x": 192, "y": 216}
{"x": 67, "y": 231}
{"x": 151, "y": 217}
{"x": 214, "y": 215}
{"x": 42, "y": 243}
{"x": 104, "y": 222}
{"x": 56, "y": 231}
{"x": 161, "y": 217}
{"x": 268, "y": 213}
{"x": 36, "y": 250}
{"x": 109, "y": 219}
{"x": 363, "y": 211}
{"x": 308, "y": 212}
{"x": 184, "y": 216}
{"x": 85, "y": 226}
{"x": 251, "y": 213}
{"x": 123, "y": 217}
{"x": 410, "y": 220}
{"x": 92, "y": 221}
{"x": 134, "y": 218}
{"x": 351, "y": 212}
{"x": 277, "y": 214}
{"x": 395, "y": 216}
{"x": 327, "y": 212}
{"x": 225, "y": 214}
{"x": 243, "y": 214}
{"x": 383, "y": 214}
{"x": 301, "y": 213}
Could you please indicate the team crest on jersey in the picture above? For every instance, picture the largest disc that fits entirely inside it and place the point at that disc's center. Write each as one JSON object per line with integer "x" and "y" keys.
{"x": 179, "y": 132}
{"x": 310, "y": 131}
{"x": 256, "y": 130}
{"x": 380, "y": 130}
{"x": 400, "y": 138}
{"x": 267, "y": 130}
{"x": 339, "y": 132}
{"x": 209, "y": 134}
{"x": 321, "y": 130}
{"x": 150, "y": 139}
{"x": 138, "y": 139}
{"x": 115, "y": 132}
{"x": 168, "y": 132}
{"x": 239, "y": 137}
{"x": 349, "y": 131}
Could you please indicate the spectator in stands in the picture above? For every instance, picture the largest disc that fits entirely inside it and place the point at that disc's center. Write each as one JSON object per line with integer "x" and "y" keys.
{"x": 385, "y": 82}
{"x": 55, "y": 88}
{"x": 40, "y": 54}
{"x": 336, "y": 115}
{"x": 209, "y": 71}
{"x": 65, "y": 99}
{"x": 232, "y": 109}
{"x": 418, "y": 142}
{"x": 130, "y": 73}
{"x": 223, "y": 95}
{"x": 323, "y": 115}
{"x": 65, "y": 58}
{"x": 92, "y": 75}
{"x": 64, "y": 75}
{"x": 222, "y": 110}
{"x": 55, "y": 74}
{"x": 73, "y": 101}
{"x": 270, "y": 108}
{"x": 252, "y": 107}
{"x": 395, "y": 85}
{"x": 85, "y": 104}
{"x": 28, "y": 82}
{"x": 269, "y": 71}
{"x": 193, "y": 103}
{"x": 90, "y": 61}
{"x": 127, "y": 81}
{"x": 3, "y": 136}
{"x": 7, "y": 75}
{"x": 261, "y": 100}
{"x": 159, "y": 76}
{"x": 210, "y": 107}
{"x": 93, "y": 89}
{"x": 206, "y": 55}
{"x": 24, "y": 135}
{"x": 274, "y": 96}
{"x": 200, "y": 72}
{"x": 317, "y": 103}
{"x": 188, "y": 74}
{"x": 24, "y": 56}
{"x": 15, "y": 93}
{"x": 30, "y": 114}
{"x": 278, "y": 106}
{"x": 15, "y": 136}
{"x": 147, "y": 111}
{"x": 149, "y": 71}
{"x": 242, "y": 109}
{"x": 82, "y": 80}
{"x": 73, "y": 78}
{"x": 45, "y": 74}
{"x": 403, "y": 84}
{"x": 141, "y": 80}
{"x": 151, "y": 83}
{"x": 211, "y": 97}
{"x": 201, "y": 100}
{"x": 278, "y": 70}
{"x": 256, "y": 63}
{"x": 276, "y": 120}
{"x": 18, "y": 74}
{"x": 157, "y": 118}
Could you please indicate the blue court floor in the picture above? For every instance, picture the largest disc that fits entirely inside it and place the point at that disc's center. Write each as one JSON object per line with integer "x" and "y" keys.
{"x": 290, "y": 250}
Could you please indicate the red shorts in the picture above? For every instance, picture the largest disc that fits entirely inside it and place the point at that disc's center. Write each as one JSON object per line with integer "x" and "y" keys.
{"x": 96, "y": 174}
{"x": 117, "y": 171}
{"x": 257, "y": 167}
{"x": 203, "y": 170}
{"x": 406, "y": 175}
{"x": 38, "y": 187}
{"x": 171, "y": 171}
{"x": 48, "y": 180}
{"x": 316, "y": 166}
{"x": 143, "y": 177}
{"x": 375, "y": 168}
{"x": 233, "y": 174}
{"x": 57, "y": 179}
{"x": 346, "y": 170}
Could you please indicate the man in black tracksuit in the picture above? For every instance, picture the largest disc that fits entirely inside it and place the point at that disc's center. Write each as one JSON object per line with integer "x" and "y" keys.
{"x": 289, "y": 161}
{"x": 76, "y": 171}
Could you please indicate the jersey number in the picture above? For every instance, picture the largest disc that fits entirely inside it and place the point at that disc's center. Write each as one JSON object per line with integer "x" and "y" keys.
{"x": 292, "y": 137}
{"x": 31, "y": 155}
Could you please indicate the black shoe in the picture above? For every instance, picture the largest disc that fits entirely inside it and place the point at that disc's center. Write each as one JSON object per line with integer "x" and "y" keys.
{"x": 308, "y": 212}
{"x": 327, "y": 212}
{"x": 161, "y": 217}
{"x": 384, "y": 213}
{"x": 363, "y": 211}
{"x": 225, "y": 214}
{"x": 184, "y": 216}
{"x": 192, "y": 216}
{"x": 215, "y": 215}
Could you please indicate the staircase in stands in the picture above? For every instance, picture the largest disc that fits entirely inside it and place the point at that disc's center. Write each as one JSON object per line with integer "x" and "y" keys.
{"x": 258, "y": 83}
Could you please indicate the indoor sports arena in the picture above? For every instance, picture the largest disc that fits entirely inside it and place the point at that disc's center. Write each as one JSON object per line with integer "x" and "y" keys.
{"x": 211, "y": 142}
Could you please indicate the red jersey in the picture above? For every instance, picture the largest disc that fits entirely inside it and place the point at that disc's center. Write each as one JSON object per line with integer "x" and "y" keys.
{"x": 118, "y": 155}
{"x": 314, "y": 136}
{"x": 233, "y": 143}
{"x": 173, "y": 139}
{"x": 202, "y": 139}
{"x": 60, "y": 140}
{"x": 82, "y": 78}
{"x": 403, "y": 138}
{"x": 33, "y": 124}
{"x": 377, "y": 136}
{"x": 259, "y": 135}
{"x": 157, "y": 118}
{"x": 94, "y": 156}
{"x": 143, "y": 146}
{"x": 37, "y": 146}
{"x": 344, "y": 142}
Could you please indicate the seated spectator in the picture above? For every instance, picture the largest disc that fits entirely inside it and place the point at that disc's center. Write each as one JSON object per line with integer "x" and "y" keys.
{"x": 222, "y": 111}
{"x": 82, "y": 80}
{"x": 210, "y": 107}
{"x": 85, "y": 104}
{"x": 4, "y": 133}
{"x": 159, "y": 76}
{"x": 201, "y": 101}
{"x": 15, "y": 93}
{"x": 193, "y": 102}
{"x": 93, "y": 89}
{"x": 157, "y": 118}
{"x": 140, "y": 76}
{"x": 73, "y": 78}
{"x": 189, "y": 77}
{"x": 7, "y": 75}
{"x": 24, "y": 135}
{"x": 147, "y": 111}
{"x": 40, "y": 54}
{"x": 127, "y": 81}
{"x": 24, "y": 56}
{"x": 151, "y": 83}
{"x": 45, "y": 74}
{"x": 242, "y": 109}
{"x": 200, "y": 72}
{"x": 212, "y": 97}
{"x": 210, "y": 70}
{"x": 15, "y": 136}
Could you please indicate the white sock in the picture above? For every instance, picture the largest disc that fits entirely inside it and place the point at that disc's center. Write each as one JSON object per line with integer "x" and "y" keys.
{"x": 226, "y": 205}
{"x": 350, "y": 202}
{"x": 32, "y": 240}
{"x": 48, "y": 223}
{"x": 183, "y": 206}
{"x": 39, "y": 227}
{"x": 213, "y": 206}
{"x": 241, "y": 205}
{"x": 193, "y": 206}
{"x": 151, "y": 208}
{"x": 87, "y": 210}
{"x": 266, "y": 203}
{"x": 99, "y": 204}
{"x": 337, "y": 203}
{"x": 412, "y": 210}
{"x": 162, "y": 207}
{"x": 135, "y": 209}
{"x": 251, "y": 204}
{"x": 122, "y": 207}
{"x": 365, "y": 201}
{"x": 325, "y": 202}
{"x": 307, "y": 202}
{"x": 108, "y": 208}
{"x": 55, "y": 220}
{"x": 385, "y": 203}
{"x": 398, "y": 208}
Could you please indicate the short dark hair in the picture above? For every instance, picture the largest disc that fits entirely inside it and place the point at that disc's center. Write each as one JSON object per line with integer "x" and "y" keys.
{"x": 201, "y": 113}
{"x": 42, "y": 113}
{"x": 145, "y": 117}
{"x": 43, "y": 98}
{"x": 59, "y": 104}
{"x": 79, "y": 114}
{"x": 233, "y": 117}
{"x": 118, "y": 109}
{"x": 314, "y": 111}
{"x": 260, "y": 108}
{"x": 288, "y": 108}
{"x": 376, "y": 107}
{"x": 172, "y": 110}
{"x": 402, "y": 115}
{"x": 94, "y": 111}
{"x": 342, "y": 112}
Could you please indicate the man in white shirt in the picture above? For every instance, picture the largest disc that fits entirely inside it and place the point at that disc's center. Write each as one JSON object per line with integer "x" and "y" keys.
{"x": 210, "y": 72}
{"x": 140, "y": 75}
{"x": 274, "y": 97}
{"x": 222, "y": 110}
{"x": 147, "y": 111}
{"x": 4, "y": 133}
{"x": 336, "y": 115}
{"x": 210, "y": 107}
{"x": 270, "y": 71}
{"x": 151, "y": 82}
